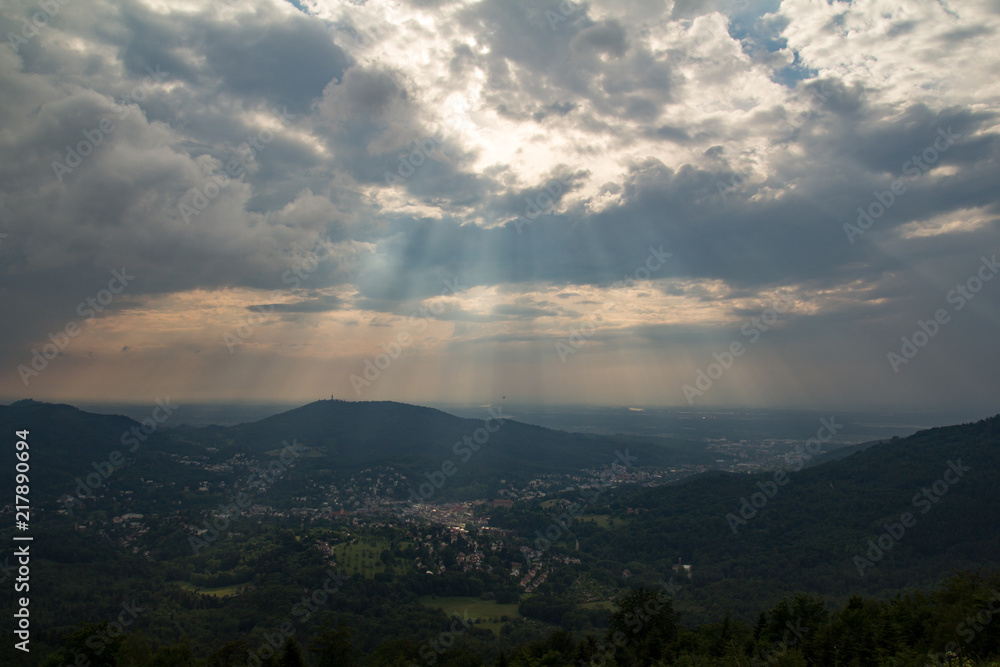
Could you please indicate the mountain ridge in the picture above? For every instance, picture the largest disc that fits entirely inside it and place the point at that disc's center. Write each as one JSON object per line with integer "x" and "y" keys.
{"x": 343, "y": 436}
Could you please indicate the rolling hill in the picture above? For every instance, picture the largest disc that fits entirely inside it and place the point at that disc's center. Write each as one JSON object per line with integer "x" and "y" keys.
{"x": 344, "y": 437}
{"x": 895, "y": 516}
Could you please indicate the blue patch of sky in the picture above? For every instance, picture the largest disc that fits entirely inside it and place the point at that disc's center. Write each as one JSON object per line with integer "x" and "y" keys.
{"x": 757, "y": 34}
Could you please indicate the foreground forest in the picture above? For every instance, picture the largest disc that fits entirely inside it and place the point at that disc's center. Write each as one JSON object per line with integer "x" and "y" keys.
{"x": 957, "y": 624}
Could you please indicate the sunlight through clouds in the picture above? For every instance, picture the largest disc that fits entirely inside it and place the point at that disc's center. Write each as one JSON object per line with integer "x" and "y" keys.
{"x": 526, "y": 153}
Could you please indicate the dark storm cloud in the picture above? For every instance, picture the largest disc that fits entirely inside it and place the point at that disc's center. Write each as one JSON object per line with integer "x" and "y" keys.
{"x": 746, "y": 242}
{"x": 374, "y": 152}
{"x": 121, "y": 204}
{"x": 283, "y": 60}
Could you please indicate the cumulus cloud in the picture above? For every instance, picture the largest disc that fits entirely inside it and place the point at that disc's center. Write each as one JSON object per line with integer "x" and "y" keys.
{"x": 511, "y": 164}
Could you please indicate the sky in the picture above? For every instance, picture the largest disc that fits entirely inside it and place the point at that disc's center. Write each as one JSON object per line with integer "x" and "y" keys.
{"x": 689, "y": 203}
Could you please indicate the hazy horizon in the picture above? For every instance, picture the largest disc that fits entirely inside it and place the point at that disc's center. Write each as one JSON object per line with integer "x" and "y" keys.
{"x": 664, "y": 421}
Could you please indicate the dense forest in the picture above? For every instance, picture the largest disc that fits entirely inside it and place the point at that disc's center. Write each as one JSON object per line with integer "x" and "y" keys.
{"x": 953, "y": 625}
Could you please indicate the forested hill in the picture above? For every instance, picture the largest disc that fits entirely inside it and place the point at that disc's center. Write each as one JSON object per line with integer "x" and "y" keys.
{"x": 812, "y": 532}
{"x": 342, "y": 438}
{"x": 377, "y": 432}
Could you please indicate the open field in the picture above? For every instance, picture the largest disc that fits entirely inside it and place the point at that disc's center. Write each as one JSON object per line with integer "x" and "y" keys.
{"x": 220, "y": 592}
{"x": 362, "y": 557}
{"x": 598, "y": 604}
{"x": 487, "y": 612}
{"x": 602, "y": 520}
